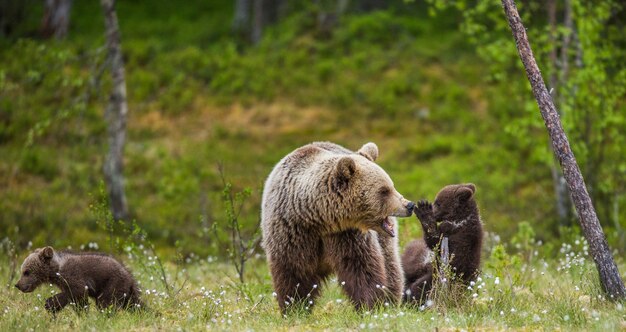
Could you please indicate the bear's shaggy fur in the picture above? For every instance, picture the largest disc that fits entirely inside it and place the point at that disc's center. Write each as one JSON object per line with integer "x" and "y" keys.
{"x": 457, "y": 212}
{"x": 327, "y": 209}
{"x": 79, "y": 276}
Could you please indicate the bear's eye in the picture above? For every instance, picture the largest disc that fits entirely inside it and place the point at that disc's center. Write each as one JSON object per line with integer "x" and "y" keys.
{"x": 26, "y": 273}
{"x": 384, "y": 191}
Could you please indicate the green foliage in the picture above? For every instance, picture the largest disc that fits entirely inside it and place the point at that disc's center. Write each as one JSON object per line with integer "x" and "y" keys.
{"x": 504, "y": 265}
{"x": 524, "y": 239}
{"x": 589, "y": 92}
{"x": 241, "y": 247}
{"x": 415, "y": 84}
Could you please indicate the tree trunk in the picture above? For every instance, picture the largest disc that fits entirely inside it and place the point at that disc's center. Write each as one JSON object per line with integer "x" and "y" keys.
{"x": 561, "y": 195}
{"x": 115, "y": 115}
{"x": 56, "y": 18}
{"x": 371, "y": 5}
{"x": 12, "y": 13}
{"x": 610, "y": 279}
{"x": 257, "y": 26}
{"x": 272, "y": 10}
{"x": 241, "y": 21}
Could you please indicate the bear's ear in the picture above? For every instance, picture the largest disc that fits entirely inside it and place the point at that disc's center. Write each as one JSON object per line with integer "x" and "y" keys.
{"x": 46, "y": 253}
{"x": 471, "y": 186}
{"x": 464, "y": 193}
{"x": 344, "y": 171}
{"x": 369, "y": 151}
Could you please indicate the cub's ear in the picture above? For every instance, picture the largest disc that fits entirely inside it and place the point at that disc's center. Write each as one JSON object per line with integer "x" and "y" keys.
{"x": 46, "y": 253}
{"x": 464, "y": 193}
{"x": 471, "y": 186}
{"x": 369, "y": 151}
{"x": 344, "y": 171}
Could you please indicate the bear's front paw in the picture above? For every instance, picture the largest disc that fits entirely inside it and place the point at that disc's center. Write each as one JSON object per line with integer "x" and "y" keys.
{"x": 52, "y": 305}
{"x": 446, "y": 227}
{"x": 423, "y": 210}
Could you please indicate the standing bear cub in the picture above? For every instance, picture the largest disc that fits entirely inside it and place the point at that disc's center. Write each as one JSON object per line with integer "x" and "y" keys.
{"x": 327, "y": 209}
{"x": 79, "y": 276}
{"x": 457, "y": 213}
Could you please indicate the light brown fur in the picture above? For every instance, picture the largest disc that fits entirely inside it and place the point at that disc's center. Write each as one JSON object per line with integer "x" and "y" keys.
{"x": 79, "y": 276}
{"x": 327, "y": 209}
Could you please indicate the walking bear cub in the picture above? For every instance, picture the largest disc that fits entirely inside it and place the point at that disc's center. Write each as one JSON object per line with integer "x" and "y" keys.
{"x": 79, "y": 276}
{"x": 455, "y": 215}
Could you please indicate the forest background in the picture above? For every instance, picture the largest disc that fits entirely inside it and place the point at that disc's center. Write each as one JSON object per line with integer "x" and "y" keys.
{"x": 219, "y": 91}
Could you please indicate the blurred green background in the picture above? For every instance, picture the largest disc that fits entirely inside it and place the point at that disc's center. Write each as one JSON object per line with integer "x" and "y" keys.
{"x": 436, "y": 84}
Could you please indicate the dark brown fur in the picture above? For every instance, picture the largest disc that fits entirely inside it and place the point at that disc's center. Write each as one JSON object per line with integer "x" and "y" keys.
{"x": 457, "y": 212}
{"x": 80, "y": 276}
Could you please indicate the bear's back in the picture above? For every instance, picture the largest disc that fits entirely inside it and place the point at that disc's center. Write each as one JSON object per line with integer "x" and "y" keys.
{"x": 294, "y": 187}
{"x": 304, "y": 167}
{"x": 93, "y": 266}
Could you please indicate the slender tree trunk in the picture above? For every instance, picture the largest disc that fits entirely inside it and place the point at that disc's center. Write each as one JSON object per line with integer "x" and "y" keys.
{"x": 561, "y": 195}
{"x": 257, "y": 25}
{"x": 115, "y": 115}
{"x": 272, "y": 10}
{"x": 241, "y": 21}
{"x": 12, "y": 13}
{"x": 56, "y": 18}
{"x": 609, "y": 275}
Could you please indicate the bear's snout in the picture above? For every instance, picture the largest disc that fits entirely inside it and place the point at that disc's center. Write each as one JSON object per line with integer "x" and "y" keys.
{"x": 410, "y": 207}
{"x": 23, "y": 288}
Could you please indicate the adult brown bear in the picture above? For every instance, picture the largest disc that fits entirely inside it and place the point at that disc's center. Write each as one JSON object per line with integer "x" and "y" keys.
{"x": 327, "y": 209}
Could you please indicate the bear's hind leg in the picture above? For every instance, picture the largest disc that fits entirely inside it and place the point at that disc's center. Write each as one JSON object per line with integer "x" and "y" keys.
{"x": 417, "y": 292}
{"x": 113, "y": 295}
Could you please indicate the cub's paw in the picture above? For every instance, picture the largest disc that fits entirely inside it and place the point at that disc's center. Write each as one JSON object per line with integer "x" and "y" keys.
{"x": 423, "y": 209}
{"x": 52, "y": 305}
{"x": 446, "y": 227}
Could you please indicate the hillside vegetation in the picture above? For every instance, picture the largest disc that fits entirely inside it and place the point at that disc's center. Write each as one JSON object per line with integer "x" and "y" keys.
{"x": 198, "y": 98}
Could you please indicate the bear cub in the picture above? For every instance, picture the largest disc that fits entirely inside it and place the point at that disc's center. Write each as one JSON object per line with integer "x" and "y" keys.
{"x": 79, "y": 276}
{"x": 455, "y": 215}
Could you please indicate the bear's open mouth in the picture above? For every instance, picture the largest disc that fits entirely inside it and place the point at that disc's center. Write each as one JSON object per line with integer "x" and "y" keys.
{"x": 387, "y": 226}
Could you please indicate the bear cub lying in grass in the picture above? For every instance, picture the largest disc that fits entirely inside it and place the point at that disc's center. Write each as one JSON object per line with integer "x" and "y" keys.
{"x": 457, "y": 213}
{"x": 79, "y": 276}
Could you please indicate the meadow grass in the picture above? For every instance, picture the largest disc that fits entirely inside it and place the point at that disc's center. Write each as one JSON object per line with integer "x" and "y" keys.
{"x": 524, "y": 291}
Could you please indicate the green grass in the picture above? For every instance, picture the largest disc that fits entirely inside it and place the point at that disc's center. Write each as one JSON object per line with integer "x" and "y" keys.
{"x": 537, "y": 293}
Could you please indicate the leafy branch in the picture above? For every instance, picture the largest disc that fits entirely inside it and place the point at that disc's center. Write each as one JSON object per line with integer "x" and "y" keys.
{"x": 241, "y": 250}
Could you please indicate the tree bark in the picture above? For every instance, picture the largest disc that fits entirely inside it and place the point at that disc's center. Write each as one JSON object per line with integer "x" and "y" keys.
{"x": 12, "y": 13}
{"x": 561, "y": 195}
{"x": 241, "y": 21}
{"x": 257, "y": 25}
{"x": 610, "y": 279}
{"x": 115, "y": 115}
{"x": 56, "y": 18}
